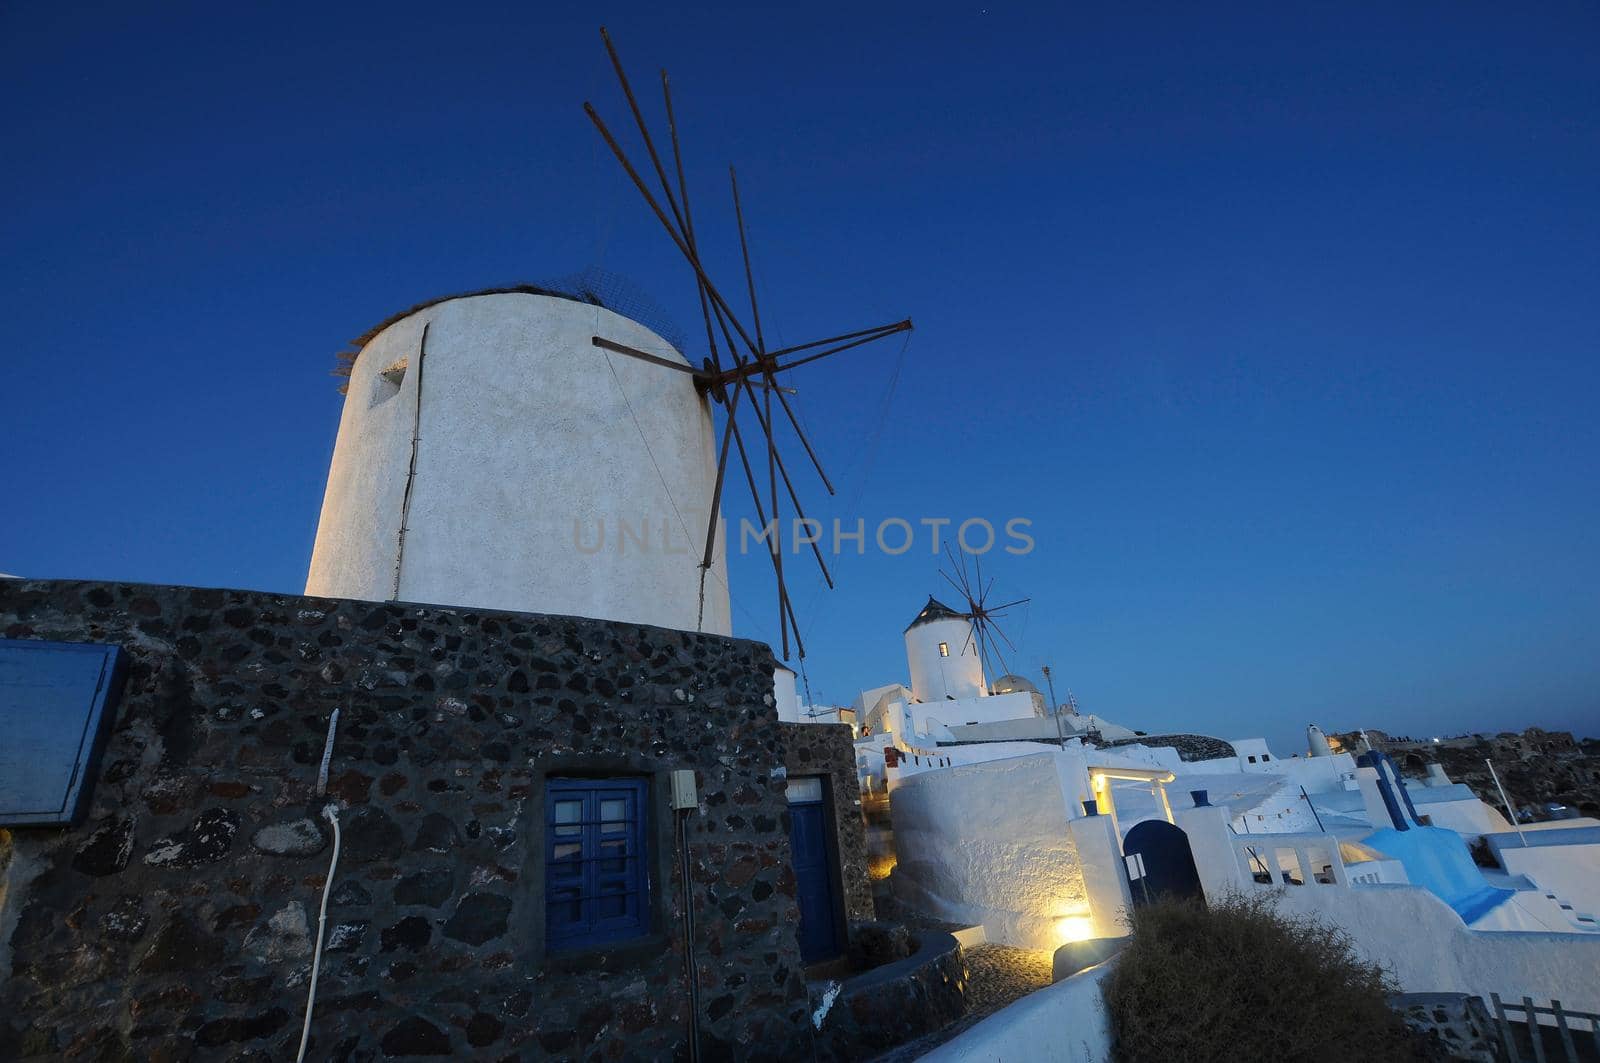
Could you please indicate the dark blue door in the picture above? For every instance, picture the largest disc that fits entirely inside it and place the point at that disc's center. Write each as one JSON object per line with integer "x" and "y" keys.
{"x": 1168, "y": 864}
{"x": 813, "y": 873}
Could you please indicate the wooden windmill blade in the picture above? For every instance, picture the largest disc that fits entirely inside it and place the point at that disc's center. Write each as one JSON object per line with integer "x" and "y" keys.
{"x": 750, "y": 367}
{"x": 963, "y": 586}
{"x": 983, "y": 621}
{"x": 731, "y": 427}
{"x": 991, "y": 614}
{"x": 769, "y": 364}
{"x": 994, "y": 635}
{"x": 774, "y": 461}
{"x": 984, "y": 630}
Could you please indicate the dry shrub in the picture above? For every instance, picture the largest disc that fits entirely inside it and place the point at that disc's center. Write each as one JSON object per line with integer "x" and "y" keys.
{"x": 1482, "y": 855}
{"x": 1240, "y": 981}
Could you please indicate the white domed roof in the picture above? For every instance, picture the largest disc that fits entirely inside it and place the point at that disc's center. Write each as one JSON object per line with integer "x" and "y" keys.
{"x": 1012, "y": 684}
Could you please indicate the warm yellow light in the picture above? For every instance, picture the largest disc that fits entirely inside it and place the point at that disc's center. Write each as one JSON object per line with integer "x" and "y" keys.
{"x": 1074, "y": 928}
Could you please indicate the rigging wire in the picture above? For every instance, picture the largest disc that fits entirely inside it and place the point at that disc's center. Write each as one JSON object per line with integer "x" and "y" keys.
{"x": 605, "y": 207}
{"x": 806, "y": 679}
{"x": 866, "y": 470}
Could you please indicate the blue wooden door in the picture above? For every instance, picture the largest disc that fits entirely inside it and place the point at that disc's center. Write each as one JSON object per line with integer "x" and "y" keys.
{"x": 813, "y": 872}
{"x": 1168, "y": 862}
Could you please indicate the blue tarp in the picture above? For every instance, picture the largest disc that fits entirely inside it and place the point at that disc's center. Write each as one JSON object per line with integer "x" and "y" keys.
{"x": 1438, "y": 860}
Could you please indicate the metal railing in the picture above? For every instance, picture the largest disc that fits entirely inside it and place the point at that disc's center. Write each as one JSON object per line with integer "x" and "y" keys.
{"x": 1569, "y": 1044}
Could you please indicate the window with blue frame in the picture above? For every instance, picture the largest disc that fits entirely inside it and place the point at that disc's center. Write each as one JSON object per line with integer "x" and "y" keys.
{"x": 596, "y": 885}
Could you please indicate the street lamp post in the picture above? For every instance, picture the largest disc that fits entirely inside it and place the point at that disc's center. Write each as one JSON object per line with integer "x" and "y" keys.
{"x": 1055, "y": 710}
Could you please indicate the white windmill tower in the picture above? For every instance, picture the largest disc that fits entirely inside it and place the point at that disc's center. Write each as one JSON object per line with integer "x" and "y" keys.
{"x": 942, "y": 656}
{"x": 948, "y": 650}
{"x": 492, "y": 446}
{"x": 482, "y": 460}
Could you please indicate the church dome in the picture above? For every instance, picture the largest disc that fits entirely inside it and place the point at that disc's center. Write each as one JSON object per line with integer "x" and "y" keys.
{"x": 1014, "y": 684}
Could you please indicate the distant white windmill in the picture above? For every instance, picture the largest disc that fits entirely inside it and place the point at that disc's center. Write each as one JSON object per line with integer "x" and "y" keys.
{"x": 985, "y": 632}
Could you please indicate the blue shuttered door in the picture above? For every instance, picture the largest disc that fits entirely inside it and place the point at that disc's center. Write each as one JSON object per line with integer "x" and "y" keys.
{"x": 595, "y": 880}
{"x": 813, "y": 872}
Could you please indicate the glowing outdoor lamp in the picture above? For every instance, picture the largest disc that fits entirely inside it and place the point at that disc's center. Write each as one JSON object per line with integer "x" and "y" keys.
{"x": 1074, "y": 928}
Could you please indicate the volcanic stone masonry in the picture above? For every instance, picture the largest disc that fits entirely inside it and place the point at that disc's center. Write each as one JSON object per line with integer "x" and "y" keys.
{"x": 830, "y": 750}
{"x": 178, "y": 920}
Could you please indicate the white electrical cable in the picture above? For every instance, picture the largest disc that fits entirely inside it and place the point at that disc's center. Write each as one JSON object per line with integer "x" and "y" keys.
{"x": 327, "y": 754}
{"x": 331, "y": 813}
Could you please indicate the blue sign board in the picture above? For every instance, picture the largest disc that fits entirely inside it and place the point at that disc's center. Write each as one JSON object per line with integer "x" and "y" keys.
{"x": 57, "y": 700}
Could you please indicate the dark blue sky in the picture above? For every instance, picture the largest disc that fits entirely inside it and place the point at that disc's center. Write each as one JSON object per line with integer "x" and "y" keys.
{"x": 1279, "y": 321}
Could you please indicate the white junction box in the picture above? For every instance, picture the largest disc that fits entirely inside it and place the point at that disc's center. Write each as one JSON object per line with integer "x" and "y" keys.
{"x": 683, "y": 790}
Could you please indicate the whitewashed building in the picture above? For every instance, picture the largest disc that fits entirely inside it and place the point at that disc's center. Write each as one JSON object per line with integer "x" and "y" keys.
{"x": 1035, "y": 825}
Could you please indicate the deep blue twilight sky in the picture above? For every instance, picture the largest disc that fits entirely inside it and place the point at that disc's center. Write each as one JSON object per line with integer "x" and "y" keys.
{"x": 1281, "y": 322}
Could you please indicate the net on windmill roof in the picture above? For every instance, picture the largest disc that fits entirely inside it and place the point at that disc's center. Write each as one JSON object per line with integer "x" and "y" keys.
{"x": 620, "y": 295}
{"x": 594, "y": 286}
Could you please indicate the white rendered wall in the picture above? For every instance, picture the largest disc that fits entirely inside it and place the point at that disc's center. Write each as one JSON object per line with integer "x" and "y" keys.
{"x": 1571, "y": 872}
{"x": 988, "y": 843}
{"x": 1246, "y": 748}
{"x": 1335, "y": 772}
{"x": 1211, "y": 845}
{"x": 1468, "y": 817}
{"x": 1429, "y": 949}
{"x": 783, "y": 693}
{"x": 877, "y": 718}
{"x": 960, "y": 675}
{"x": 1408, "y": 930}
{"x": 1104, "y": 880}
{"x": 970, "y": 710}
{"x": 1067, "y": 1022}
{"x": 867, "y": 700}
{"x": 1110, "y": 732}
{"x": 527, "y": 449}
{"x": 914, "y": 762}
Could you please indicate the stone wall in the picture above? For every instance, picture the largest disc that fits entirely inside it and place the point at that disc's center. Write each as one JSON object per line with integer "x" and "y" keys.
{"x": 178, "y": 920}
{"x": 1455, "y": 1026}
{"x": 893, "y": 1004}
{"x": 829, "y": 749}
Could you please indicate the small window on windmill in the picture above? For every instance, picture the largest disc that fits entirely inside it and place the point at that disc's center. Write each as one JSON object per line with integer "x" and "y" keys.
{"x": 944, "y": 649}
{"x": 386, "y": 385}
{"x": 57, "y": 700}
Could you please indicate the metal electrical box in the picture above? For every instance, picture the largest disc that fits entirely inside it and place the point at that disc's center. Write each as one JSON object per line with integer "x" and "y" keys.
{"x": 683, "y": 790}
{"x": 57, "y": 700}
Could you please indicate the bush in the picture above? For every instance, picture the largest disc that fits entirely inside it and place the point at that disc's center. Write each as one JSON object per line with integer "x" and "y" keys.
{"x": 1482, "y": 855}
{"x": 1239, "y": 981}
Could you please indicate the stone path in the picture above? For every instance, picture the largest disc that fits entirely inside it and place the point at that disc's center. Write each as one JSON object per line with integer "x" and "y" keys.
{"x": 996, "y": 976}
